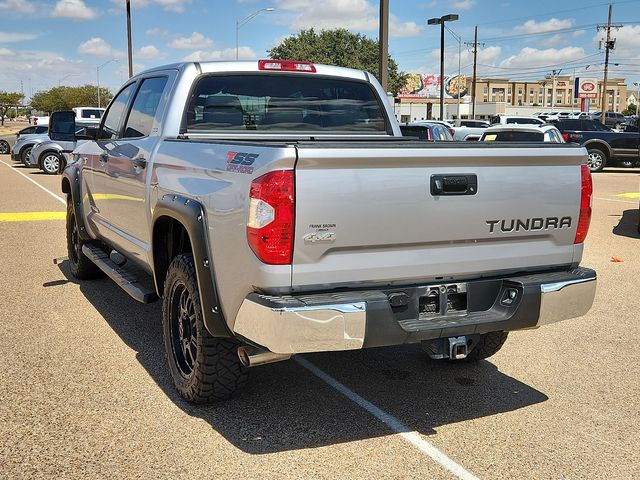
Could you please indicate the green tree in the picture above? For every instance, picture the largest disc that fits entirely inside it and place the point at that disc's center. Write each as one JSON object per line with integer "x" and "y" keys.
{"x": 630, "y": 110}
{"x": 8, "y": 99}
{"x": 337, "y": 47}
{"x": 66, "y": 98}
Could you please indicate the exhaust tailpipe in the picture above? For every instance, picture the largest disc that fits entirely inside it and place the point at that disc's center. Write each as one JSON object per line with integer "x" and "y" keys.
{"x": 252, "y": 356}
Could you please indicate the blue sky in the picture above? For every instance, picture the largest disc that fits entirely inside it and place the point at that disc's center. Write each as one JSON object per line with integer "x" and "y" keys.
{"x": 44, "y": 41}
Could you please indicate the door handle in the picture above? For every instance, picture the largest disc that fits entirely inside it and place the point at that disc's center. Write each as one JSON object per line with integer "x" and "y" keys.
{"x": 139, "y": 162}
{"x": 454, "y": 184}
{"x": 104, "y": 157}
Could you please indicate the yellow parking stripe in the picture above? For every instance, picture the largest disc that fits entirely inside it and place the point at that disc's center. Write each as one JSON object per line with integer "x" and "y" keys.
{"x": 32, "y": 216}
{"x": 629, "y": 195}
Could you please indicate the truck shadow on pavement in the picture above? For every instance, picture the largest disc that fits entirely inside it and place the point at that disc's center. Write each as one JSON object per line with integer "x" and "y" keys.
{"x": 628, "y": 224}
{"x": 285, "y": 407}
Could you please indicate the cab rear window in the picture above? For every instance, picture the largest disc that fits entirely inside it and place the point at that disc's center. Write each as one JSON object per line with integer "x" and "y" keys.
{"x": 514, "y": 136}
{"x": 282, "y": 103}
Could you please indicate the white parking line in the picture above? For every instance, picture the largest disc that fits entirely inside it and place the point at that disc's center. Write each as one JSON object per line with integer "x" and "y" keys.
{"x": 57, "y": 197}
{"x": 392, "y": 422}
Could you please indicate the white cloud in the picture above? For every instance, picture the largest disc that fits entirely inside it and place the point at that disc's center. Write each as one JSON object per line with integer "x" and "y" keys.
{"x": 13, "y": 37}
{"x": 195, "y": 41}
{"x": 627, "y": 43}
{"x": 244, "y": 53}
{"x": 532, "y": 57}
{"x": 173, "y": 5}
{"x": 148, "y": 52}
{"x": 98, "y": 47}
{"x": 356, "y": 15}
{"x": 5, "y": 52}
{"x": 134, "y": 3}
{"x": 75, "y": 9}
{"x": 531, "y": 26}
{"x": 18, "y": 6}
{"x": 156, "y": 32}
{"x": 464, "y": 4}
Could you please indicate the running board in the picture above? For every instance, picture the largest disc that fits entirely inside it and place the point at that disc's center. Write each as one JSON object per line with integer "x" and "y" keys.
{"x": 123, "y": 276}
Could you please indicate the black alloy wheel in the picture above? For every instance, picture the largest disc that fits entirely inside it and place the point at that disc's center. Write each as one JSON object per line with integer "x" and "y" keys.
{"x": 184, "y": 332}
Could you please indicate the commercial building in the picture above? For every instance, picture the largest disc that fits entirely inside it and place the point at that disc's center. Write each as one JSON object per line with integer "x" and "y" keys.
{"x": 501, "y": 95}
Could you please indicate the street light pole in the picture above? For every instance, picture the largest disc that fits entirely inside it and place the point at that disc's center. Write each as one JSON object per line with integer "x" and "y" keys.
{"x": 440, "y": 21}
{"x": 129, "y": 47}
{"x": 459, "y": 39}
{"x": 98, "y": 75}
{"x": 246, "y": 20}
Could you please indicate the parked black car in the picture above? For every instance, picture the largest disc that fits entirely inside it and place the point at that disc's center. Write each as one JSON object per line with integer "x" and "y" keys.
{"x": 631, "y": 125}
{"x": 605, "y": 146}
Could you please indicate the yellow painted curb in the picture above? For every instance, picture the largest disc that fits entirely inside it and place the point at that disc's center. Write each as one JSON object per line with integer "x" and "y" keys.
{"x": 629, "y": 195}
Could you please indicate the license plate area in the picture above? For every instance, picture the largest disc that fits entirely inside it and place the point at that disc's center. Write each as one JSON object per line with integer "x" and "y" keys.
{"x": 443, "y": 301}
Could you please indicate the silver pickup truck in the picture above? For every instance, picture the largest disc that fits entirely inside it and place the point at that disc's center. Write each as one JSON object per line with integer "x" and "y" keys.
{"x": 275, "y": 209}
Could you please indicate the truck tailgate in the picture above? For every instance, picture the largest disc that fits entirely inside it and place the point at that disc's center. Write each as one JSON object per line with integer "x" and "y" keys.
{"x": 367, "y": 214}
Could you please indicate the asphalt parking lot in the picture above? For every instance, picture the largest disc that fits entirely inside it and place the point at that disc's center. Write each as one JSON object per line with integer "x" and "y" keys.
{"x": 85, "y": 392}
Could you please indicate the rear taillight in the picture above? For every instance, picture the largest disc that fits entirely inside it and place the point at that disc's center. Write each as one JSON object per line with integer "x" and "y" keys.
{"x": 271, "y": 217}
{"x": 429, "y": 134}
{"x": 286, "y": 65}
{"x": 585, "y": 205}
{"x": 565, "y": 137}
{"x": 35, "y": 121}
{"x": 452, "y": 132}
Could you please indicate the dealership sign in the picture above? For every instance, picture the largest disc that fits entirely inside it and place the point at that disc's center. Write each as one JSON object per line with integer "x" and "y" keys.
{"x": 586, "y": 88}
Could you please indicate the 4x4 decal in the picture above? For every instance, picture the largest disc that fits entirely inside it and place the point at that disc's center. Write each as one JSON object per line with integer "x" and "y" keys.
{"x": 241, "y": 162}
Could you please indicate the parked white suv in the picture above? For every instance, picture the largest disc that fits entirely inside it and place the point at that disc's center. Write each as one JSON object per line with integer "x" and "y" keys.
{"x": 515, "y": 119}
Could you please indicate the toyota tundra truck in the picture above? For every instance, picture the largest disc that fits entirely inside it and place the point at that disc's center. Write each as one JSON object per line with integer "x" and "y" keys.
{"x": 274, "y": 208}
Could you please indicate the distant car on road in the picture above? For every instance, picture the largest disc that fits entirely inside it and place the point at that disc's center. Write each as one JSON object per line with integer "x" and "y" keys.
{"x": 522, "y": 133}
{"x": 604, "y": 145}
{"x": 435, "y": 131}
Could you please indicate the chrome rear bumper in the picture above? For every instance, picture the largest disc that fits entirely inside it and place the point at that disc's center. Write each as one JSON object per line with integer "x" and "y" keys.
{"x": 360, "y": 319}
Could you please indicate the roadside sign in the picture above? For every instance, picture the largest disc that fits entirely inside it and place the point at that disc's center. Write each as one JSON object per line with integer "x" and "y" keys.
{"x": 586, "y": 88}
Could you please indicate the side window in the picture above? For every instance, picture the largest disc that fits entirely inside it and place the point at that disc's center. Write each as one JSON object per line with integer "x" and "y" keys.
{"x": 113, "y": 116}
{"x": 144, "y": 108}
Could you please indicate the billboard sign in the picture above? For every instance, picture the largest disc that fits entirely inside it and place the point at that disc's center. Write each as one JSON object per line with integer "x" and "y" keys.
{"x": 586, "y": 87}
{"x": 428, "y": 86}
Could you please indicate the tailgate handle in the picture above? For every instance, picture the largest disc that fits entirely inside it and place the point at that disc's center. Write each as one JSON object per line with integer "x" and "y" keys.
{"x": 454, "y": 184}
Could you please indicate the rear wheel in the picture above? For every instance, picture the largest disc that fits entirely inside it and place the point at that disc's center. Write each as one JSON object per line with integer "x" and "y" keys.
{"x": 204, "y": 368}
{"x": 596, "y": 159}
{"x": 4, "y": 147}
{"x": 50, "y": 163}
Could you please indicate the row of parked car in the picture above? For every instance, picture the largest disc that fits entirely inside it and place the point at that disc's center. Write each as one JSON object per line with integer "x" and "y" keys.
{"x": 34, "y": 148}
{"x": 605, "y": 145}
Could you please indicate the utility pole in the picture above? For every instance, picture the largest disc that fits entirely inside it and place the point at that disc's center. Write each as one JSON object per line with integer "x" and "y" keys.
{"x": 129, "y": 38}
{"x": 475, "y": 64}
{"x": 609, "y": 44}
{"x": 553, "y": 87}
{"x": 383, "y": 44}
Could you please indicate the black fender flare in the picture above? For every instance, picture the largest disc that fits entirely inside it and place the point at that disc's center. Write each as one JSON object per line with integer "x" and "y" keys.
{"x": 71, "y": 186}
{"x": 600, "y": 145}
{"x": 191, "y": 214}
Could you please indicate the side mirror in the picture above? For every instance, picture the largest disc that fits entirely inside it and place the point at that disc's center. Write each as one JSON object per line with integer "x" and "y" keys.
{"x": 62, "y": 126}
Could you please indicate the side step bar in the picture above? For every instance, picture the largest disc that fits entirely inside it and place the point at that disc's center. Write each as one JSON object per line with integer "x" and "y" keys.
{"x": 123, "y": 276}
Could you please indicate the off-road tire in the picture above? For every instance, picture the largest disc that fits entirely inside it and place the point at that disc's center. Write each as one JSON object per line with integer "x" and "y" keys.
{"x": 593, "y": 153}
{"x": 204, "y": 369}
{"x": 488, "y": 345}
{"x": 81, "y": 267}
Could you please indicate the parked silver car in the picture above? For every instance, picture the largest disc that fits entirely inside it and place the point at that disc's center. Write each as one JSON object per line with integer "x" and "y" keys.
{"x": 23, "y": 146}
{"x": 50, "y": 155}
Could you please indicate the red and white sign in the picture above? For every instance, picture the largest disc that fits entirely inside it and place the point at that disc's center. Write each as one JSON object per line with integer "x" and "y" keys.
{"x": 587, "y": 88}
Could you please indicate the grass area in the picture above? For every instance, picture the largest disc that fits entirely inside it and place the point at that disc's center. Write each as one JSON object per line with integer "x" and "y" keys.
{"x": 12, "y": 127}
